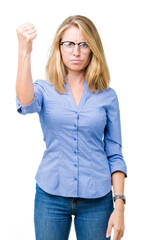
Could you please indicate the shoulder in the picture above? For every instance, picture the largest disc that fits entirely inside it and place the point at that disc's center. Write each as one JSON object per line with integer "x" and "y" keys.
{"x": 110, "y": 91}
{"x": 111, "y": 94}
{"x": 111, "y": 98}
{"x": 42, "y": 84}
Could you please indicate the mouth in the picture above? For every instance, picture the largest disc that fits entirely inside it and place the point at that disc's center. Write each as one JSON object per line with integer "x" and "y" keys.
{"x": 75, "y": 61}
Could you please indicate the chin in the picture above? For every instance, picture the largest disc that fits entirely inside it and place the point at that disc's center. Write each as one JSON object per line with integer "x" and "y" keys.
{"x": 76, "y": 68}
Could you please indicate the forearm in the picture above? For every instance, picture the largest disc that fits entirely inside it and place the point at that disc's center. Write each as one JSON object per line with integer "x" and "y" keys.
{"x": 24, "y": 83}
{"x": 118, "y": 182}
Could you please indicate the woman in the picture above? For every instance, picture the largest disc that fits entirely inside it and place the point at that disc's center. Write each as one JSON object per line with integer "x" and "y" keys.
{"x": 80, "y": 119}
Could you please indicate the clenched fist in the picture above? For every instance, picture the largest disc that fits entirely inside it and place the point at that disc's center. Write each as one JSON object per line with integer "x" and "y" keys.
{"x": 26, "y": 33}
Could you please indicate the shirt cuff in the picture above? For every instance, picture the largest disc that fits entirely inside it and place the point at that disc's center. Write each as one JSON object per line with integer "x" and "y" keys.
{"x": 24, "y": 109}
{"x": 114, "y": 168}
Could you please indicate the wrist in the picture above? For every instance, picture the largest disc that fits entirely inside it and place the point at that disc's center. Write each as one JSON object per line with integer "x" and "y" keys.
{"x": 118, "y": 196}
{"x": 119, "y": 204}
{"x": 24, "y": 53}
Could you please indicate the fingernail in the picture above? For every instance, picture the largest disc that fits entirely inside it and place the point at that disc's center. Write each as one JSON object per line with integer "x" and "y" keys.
{"x": 107, "y": 235}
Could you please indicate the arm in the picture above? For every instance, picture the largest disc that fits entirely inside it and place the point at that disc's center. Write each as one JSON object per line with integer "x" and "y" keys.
{"x": 117, "y": 217}
{"x": 113, "y": 148}
{"x": 112, "y": 136}
{"x": 118, "y": 182}
{"x": 24, "y": 83}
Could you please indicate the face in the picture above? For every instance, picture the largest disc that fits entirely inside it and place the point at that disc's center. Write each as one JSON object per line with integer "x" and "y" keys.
{"x": 75, "y": 60}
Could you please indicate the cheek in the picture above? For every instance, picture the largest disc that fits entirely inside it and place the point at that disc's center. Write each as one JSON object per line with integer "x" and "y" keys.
{"x": 63, "y": 55}
{"x": 87, "y": 60}
{"x": 89, "y": 57}
{"x": 64, "y": 58}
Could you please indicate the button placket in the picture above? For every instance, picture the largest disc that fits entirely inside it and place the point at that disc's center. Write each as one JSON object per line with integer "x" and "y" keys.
{"x": 76, "y": 146}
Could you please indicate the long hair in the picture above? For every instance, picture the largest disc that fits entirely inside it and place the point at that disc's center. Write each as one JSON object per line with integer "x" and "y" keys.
{"x": 97, "y": 74}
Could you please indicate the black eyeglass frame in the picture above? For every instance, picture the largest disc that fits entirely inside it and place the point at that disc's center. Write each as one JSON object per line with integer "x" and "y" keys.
{"x": 61, "y": 43}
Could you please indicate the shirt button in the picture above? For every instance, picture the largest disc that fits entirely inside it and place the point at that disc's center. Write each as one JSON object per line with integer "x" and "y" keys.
{"x": 20, "y": 110}
{"x": 74, "y": 138}
{"x": 75, "y": 112}
{"x": 75, "y": 125}
{"x": 75, "y": 165}
{"x": 75, "y": 178}
{"x": 74, "y": 152}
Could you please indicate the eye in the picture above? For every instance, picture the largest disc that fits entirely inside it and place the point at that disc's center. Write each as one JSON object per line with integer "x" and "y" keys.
{"x": 68, "y": 44}
{"x": 83, "y": 44}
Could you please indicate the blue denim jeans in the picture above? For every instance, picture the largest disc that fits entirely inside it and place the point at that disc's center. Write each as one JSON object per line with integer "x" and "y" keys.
{"x": 53, "y": 216}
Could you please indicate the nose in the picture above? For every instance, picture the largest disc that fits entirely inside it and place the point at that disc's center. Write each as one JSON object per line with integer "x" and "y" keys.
{"x": 76, "y": 50}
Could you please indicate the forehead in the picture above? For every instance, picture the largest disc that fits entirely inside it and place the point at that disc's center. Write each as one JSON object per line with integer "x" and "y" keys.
{"x": 74, "y": 34}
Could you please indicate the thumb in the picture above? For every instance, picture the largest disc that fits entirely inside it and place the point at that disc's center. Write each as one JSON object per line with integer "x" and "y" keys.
{"x": 109, "y": 229}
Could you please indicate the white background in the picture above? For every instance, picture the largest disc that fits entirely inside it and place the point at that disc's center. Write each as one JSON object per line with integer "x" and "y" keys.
{"x": 120, "y": 26}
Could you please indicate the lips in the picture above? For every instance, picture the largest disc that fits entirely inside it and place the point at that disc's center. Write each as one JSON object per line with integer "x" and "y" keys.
{"x": 75, "y": 61}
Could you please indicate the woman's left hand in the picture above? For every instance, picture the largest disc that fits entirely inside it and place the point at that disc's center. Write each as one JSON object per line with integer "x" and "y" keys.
{"x": 116, "y": 221}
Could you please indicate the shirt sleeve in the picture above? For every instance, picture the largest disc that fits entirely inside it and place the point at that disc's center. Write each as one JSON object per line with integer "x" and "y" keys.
{"x": 35, "y": 105}
{"x": 112, "y": 137}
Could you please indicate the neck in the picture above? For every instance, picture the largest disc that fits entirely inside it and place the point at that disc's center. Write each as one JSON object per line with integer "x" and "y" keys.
{"x": 75, "y": 77}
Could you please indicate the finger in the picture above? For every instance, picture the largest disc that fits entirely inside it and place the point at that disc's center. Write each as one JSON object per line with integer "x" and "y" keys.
{"x": 28, "y": 27}
{"x": 20, "y": 29}
{"x": 108, "y": 232}
{"x": 32, "y": 36}
{"x": 116, "y": 234}
{"x": 28, "y": 32}
{"x": 26, "y": 24}
{"x": 23, "y": 26}
{"x": 121, "y": 234}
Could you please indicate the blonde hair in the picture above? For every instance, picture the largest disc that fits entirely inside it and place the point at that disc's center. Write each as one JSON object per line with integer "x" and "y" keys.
{"x": 96, "y": 74}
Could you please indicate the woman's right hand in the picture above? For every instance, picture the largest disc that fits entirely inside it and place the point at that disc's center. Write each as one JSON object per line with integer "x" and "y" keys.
{"x": 26, "y": 33}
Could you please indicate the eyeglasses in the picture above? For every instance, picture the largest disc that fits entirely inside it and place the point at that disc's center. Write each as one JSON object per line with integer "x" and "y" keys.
{"x": 68, "y": 46}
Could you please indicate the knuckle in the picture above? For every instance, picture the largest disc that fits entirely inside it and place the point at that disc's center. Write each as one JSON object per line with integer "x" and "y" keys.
{"x": 31, "y": 25}
{"x": 122, "y": 231}
{"x": 28, "y": 38}
{"x": 122, "y": 234}
{"x": 28, "y": 24}
{"x": 117, "y": 229}
{"x": 24, "y": 34}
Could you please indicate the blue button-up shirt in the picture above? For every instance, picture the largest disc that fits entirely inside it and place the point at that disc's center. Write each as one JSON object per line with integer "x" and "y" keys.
{"x": 83, "y": 143}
